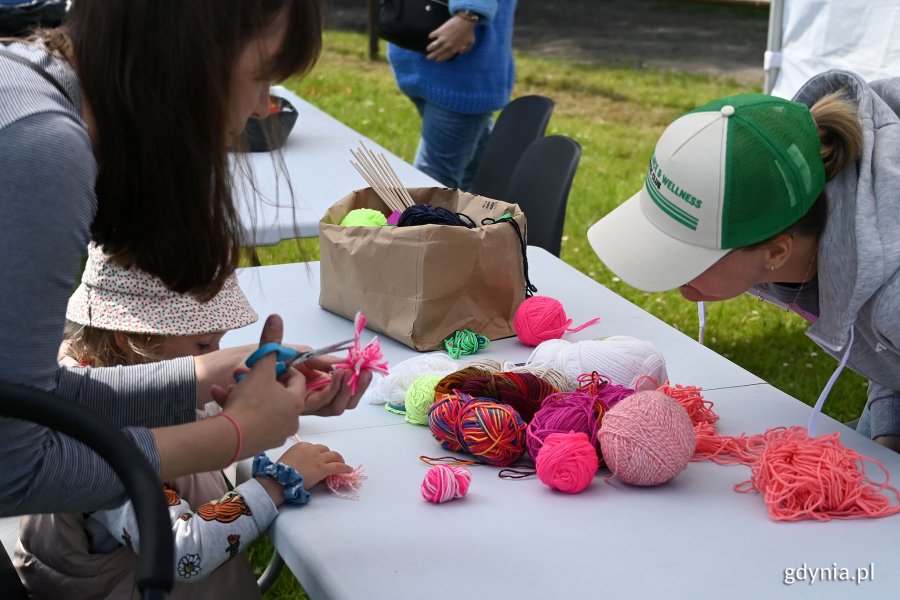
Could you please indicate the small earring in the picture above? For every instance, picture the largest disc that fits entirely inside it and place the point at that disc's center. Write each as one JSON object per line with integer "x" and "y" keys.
{"x": 771, "y": 267}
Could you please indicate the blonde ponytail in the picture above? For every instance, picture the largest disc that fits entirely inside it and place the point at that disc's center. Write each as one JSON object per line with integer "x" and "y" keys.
{"x": 839, "y": 132}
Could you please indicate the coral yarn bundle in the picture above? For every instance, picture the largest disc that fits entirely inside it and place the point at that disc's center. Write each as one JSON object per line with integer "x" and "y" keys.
{"x": 567, "y": 462}
{"x": 443, "y": 483}
{"x": 646, "y": 439}
{"x": 816, "y": 478}
{"x": 541, "y": 318}
{"x": 800, "y": 477}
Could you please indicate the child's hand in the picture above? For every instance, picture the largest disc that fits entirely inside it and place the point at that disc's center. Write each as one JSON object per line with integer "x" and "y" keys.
{"x": 314, "y": 462}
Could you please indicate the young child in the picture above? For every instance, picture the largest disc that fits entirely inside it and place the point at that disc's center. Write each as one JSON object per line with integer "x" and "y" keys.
{"x": 121, "y": 316}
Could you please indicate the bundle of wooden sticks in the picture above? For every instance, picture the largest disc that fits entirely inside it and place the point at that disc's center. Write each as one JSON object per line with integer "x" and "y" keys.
{"x": 382, "y": 178}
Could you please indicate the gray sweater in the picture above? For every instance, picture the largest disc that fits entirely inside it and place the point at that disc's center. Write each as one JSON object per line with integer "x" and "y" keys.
{"x": 47, "y": 175}
{"x": 859, "y": 253}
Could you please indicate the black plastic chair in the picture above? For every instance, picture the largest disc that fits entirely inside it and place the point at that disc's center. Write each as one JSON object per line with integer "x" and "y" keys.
{"x": 520, "y": 122}
{"x": 540, "y": 186}
{"x": 155, "y": 574}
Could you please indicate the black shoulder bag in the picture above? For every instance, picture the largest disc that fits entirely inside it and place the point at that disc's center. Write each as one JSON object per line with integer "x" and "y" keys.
{"x": 407, "y": 23}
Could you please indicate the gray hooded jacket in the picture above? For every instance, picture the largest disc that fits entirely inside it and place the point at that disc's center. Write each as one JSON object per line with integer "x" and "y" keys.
{"x": 859, "y": 253}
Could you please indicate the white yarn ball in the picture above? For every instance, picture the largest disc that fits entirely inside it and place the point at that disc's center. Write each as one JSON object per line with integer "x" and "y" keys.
{"x": 392, "y": 388}
{"x": 624, "y": 360}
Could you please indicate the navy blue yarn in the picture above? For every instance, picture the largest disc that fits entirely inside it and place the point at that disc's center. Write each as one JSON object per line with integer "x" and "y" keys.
{"x": 425, "y": 214}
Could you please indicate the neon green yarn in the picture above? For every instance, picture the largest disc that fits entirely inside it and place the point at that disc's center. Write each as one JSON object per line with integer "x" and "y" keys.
{"x": 465, "y": 342}
{"x": 364, "y": 217}
{"x": 419, "y": 398}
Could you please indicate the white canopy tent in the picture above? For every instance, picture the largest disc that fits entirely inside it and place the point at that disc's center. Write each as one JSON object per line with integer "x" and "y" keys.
{"x": 807, "y": 37}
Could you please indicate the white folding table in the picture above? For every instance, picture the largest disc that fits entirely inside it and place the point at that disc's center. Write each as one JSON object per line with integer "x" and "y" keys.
{"x": 691, "y": 538}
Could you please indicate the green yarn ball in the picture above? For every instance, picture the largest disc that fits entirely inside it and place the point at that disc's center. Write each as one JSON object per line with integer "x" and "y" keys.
{"x": 364, "y": 217}
{"x": 420, "y": 397}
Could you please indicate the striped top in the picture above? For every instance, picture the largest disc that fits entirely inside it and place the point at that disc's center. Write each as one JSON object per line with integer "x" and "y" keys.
{"x": 47, "y": 176}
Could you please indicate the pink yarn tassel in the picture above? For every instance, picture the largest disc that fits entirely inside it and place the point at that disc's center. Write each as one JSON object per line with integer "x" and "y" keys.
{"x": 359, "y": 359}
{"x": 346, "y": 485}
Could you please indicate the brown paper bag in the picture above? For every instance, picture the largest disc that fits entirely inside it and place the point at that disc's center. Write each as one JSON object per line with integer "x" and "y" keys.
{"x": 420, "y": 284}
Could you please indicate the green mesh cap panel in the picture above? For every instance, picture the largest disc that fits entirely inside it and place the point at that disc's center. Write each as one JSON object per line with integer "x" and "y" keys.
{"x": 773, "y": 169}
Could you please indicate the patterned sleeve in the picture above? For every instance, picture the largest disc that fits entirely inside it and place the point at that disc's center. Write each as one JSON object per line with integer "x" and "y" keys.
{"x": 206, "y": 537}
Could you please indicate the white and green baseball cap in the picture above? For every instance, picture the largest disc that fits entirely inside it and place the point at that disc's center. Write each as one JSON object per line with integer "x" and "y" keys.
{"x": 729, "y": 174}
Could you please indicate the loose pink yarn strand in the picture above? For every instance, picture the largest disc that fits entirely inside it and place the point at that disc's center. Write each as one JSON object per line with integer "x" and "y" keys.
{"x": 800, "y": 477}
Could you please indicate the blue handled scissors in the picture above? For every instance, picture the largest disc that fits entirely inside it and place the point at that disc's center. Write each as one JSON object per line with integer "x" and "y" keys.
{"x": 287, "y": 357}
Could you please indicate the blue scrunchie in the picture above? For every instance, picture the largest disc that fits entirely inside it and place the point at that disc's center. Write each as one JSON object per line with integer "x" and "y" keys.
{"x": 294, "y": 493}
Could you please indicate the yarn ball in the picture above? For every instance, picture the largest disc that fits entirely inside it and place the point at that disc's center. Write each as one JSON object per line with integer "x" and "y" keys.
{"x": 390, "y": 390}
{"x": 442, "y": 419}
{"x": 425, "y": 214}
{"x": 540, "y": 318}
{"x": 647, "y": 438}
{"x": 455, "y": 380}
{"x": 634, "y": 363}
{"x": 443, "y": 483}
{"x": 567, "y": 462}
{"x": 523, "y": 391}
{"x": 563, "y": 413}
{"x": 419, "y": 398}
{"x": 493, "y": 432}
{"x": 364, "y": 217}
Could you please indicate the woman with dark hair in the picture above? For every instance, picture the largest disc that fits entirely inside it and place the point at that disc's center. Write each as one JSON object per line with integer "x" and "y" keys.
{"x": 116, "y": 127}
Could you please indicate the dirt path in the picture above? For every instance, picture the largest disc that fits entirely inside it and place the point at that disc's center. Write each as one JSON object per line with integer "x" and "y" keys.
{"x": 720, "y": 39}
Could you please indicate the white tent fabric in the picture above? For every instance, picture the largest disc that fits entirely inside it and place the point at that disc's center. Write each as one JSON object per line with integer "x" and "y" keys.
{"x": 807, "y": 37}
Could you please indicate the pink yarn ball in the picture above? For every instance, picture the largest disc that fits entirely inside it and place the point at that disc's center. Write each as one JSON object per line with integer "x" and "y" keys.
{"x": 540, "y": 318}
{"x": 647, "y": 438}
{"x": 445, "y": 482}
{"x": 567, "y": 462}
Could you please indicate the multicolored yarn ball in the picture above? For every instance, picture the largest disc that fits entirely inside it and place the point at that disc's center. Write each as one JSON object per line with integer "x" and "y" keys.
{"x": 443, "y": 483}
{"x": 567, "y": 462}
{"x": 632, "y": 362}
{"x": 542, "y": 318}
{"x": 523, "y": 391}
{"x": 364, "y": 217}
{"x": 456, "y": 379}
{"x": 564, "y": 412}
{"x": 420, "y": 398}
{"x": 443, "y": 417}
{"x": 647, "y": 438}
{"x": 493, "y": 432}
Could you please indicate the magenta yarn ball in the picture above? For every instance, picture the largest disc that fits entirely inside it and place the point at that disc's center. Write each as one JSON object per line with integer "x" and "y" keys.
{"x": 445, "y": 482}
{"x": 567, "y": 462}
{"x": 647, "y": 438}
{"x": 539, "y": 319}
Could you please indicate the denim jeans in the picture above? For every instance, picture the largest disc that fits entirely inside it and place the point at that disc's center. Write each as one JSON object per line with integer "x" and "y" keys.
{"x": 451, "y": 144}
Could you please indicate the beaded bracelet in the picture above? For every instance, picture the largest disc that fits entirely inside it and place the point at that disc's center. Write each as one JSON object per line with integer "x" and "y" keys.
{"x": 288, "y": 477}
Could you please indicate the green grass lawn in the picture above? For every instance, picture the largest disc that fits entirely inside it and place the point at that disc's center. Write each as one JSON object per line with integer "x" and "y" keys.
{"x": 616, "y": 114}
